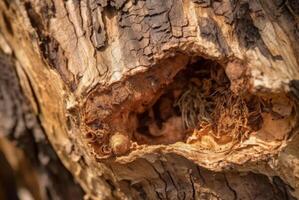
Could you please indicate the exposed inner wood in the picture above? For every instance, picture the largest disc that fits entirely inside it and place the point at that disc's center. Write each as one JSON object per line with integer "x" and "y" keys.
{"x": 200, "y": 103}
{"x": 134, "y": 94}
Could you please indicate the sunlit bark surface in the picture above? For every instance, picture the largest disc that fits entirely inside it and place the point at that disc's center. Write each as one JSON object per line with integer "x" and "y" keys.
{"x": 170, "y": 99}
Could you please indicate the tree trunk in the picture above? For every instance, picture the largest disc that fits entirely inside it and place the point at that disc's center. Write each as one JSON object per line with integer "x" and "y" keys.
{"x": 171, "y": 99}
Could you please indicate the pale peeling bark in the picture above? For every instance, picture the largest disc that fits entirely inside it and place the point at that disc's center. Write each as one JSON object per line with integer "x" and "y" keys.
{"x": 103, "y": 76}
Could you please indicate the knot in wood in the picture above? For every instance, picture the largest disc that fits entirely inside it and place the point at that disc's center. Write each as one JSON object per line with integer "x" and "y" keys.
{"x": 119, "y": 144}
{"x": 235, "y": 70}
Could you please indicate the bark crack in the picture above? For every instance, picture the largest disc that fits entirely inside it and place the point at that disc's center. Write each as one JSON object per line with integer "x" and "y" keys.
{"x": 193, "y": 186}
{"x": 161, "y": 178}
{"x": 230, "y": 187}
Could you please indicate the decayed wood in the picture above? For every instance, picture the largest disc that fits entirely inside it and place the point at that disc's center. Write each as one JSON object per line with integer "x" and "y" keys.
{"x": 37, "y": 161}
{"x": 92, "y": 69}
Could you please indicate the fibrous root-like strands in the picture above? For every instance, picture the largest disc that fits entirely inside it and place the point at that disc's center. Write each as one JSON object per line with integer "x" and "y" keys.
{"x": 138, "y": 96}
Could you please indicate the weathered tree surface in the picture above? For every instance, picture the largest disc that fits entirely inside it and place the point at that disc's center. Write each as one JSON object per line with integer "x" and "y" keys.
{"x": 171, "y": 99}
{"x": 28, "y": 164}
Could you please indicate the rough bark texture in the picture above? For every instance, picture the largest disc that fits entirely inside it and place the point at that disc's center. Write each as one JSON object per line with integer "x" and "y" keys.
{"x": 138, "y": 97}
{"x": 27, "y": 159}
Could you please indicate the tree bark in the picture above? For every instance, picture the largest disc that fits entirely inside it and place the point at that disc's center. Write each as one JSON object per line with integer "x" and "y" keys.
{"x": 28, "y": 162}
{"x": 158, "y": 99}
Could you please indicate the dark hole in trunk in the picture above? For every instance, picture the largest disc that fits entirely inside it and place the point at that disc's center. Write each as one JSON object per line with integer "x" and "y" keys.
{"x": 198, "y": 99}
